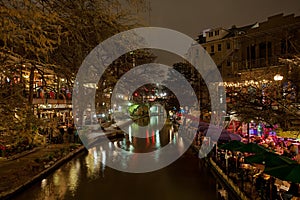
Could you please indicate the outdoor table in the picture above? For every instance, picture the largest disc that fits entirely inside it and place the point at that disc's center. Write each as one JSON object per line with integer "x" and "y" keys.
{"x": 283, "y": 187}
{"x": 266, "y": 176}
{"x": 245, "y": 166}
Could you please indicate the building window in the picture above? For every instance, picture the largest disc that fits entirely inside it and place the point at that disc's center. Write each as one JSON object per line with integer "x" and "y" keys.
{"x": 217, "y": 32}
{"x": 219, "y": 47}
{"x": 262, "y": 50}
{"x": 269, "y": 46}
{"x": 212, "y": 49}
{"x": 210, "y": 34}
{"x": 228, "y": 63}
{"x": 228, "y": 45}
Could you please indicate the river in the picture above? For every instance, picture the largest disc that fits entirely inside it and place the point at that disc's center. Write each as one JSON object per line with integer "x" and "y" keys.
{"x": 87, "y": 177}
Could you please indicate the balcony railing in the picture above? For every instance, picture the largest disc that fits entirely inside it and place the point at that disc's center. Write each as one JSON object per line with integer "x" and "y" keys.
{"x": 258, "y": 63}
{"x": 51, "y": 101}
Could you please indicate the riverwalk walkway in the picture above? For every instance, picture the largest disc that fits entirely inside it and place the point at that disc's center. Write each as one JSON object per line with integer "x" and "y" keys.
{"x": 21, "y": 170}
{"x": 244, "y": 190}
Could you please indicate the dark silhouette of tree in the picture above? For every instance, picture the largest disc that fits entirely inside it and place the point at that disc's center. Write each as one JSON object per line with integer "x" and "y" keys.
{"x": 39, "y": 36}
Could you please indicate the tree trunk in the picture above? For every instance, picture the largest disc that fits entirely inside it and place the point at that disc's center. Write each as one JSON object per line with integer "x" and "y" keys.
{"x": 31, "y": 82}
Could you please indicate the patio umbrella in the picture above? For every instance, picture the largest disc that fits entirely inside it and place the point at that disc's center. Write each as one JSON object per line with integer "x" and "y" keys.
{"x": 252, "y": 148}
{"x": 224, "y": 135}
{"x": 228, "y": 136}
{"x": 232, "y": 145}
{"x": 269, "y": 159}
{"x": 290, "y": 172}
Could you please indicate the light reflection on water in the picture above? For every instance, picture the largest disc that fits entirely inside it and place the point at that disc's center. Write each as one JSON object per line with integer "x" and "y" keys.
{"x": 87, "y": 177}
{"x": 74, "y": 176}
{"x": 96, "y": 158}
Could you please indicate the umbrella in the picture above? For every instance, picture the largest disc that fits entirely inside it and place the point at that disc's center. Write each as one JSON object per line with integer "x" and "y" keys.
{"x": 232, "y": 145}
{"x": 269, "y": 159}
{"x": 224, "y": 136}
{"x": 290, "y": 172}
{"x": 227, "y": 136}
{"x": 252, "y": 148}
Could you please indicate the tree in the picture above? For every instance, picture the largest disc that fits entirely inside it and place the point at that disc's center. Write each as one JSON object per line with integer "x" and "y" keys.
{"x": 53, "y": 35}
{"x": 86, "y": 23}
{"x": 28, "y": 36}
{"x": 197, "y": 83}
{"x": 114, "y": 72}
{"x": 262, "y": 99}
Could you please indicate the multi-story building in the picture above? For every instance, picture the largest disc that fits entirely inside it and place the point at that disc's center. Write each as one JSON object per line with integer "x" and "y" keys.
{"x": 50, "y": 95}
{"x": 253, "y": 52}
{"x": 258, "y": 45}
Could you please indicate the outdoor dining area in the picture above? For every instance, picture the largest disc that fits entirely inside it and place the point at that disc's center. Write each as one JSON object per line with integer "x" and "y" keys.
{"x": 260, "y": 172}
{"x": 264, "y": 167}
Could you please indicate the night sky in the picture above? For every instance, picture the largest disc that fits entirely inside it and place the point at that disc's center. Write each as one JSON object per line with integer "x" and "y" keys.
{"x": 193, "y": 16}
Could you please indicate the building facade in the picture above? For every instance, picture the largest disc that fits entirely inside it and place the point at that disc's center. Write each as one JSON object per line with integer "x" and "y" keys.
{"x": 254, "y": 54}
{"x": 255, "y": 46}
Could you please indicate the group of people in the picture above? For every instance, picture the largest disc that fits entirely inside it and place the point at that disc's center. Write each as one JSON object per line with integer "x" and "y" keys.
{"x": 232, "y": 163}
{"x": 260, "y": 184}
{"x": 65, "y": 93}
{"x": 63, "y": 134}
{"x": 278, "y": 145}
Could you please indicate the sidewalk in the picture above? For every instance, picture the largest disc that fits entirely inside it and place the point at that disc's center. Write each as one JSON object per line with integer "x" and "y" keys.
{"x": 27, "y": 167}
{"x": 243, "y": 193}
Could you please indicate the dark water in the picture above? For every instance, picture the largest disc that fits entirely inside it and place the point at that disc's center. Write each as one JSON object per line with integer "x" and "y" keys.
{"x": 86, "y": 177}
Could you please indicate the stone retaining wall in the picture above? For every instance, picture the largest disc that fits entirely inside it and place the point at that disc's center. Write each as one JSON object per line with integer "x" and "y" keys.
{"x": 227, "y": 180}
{"x": 41, "y": 175}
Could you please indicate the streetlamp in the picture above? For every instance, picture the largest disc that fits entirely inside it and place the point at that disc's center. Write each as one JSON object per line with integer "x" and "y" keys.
{"x": 278, "y": 77}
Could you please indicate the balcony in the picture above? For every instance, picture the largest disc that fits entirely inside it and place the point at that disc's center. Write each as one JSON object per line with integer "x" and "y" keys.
{"x": 52, "y": 101}
{"x": 258, "y": 63}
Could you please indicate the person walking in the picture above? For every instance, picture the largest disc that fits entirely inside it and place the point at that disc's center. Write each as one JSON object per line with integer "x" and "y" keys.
{"x": 62, "y": 132}
{"x": 70, "y": 132}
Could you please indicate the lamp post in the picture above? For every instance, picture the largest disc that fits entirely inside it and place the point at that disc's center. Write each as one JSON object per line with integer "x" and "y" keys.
{"x": 278, "y": 78}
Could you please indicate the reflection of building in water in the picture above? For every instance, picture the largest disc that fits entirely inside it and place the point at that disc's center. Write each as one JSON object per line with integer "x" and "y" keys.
{"x": 74, "y": 174}
{"x": 93, "y": 162}
{"x": 157, "y": 109}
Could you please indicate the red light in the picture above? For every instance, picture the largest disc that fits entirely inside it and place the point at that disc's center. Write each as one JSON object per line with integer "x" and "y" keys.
{"x": 135, "y": 94}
